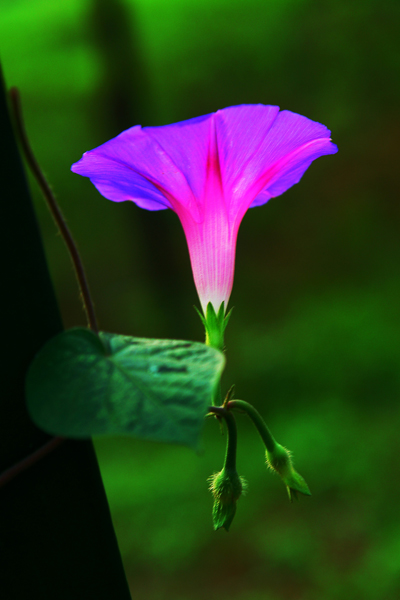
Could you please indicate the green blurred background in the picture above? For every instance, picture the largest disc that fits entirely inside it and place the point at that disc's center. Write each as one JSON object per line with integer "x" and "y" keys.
{"x": 314, "y": 339}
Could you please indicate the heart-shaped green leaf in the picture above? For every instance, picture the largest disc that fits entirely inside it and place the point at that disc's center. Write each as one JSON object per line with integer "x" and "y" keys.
{"x": 81, "y": 385}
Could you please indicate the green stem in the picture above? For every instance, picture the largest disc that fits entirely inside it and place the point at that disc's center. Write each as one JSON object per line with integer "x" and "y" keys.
{"x": 230, "y": 455}
{"x": 217, "y": 395}
{"x": 258, "y": 421}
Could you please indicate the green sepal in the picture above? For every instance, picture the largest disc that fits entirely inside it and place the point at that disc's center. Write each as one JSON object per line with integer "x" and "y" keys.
{"x": 280, "y": 461}
{"x": 215, "y": 325}
{"x": 227, "y": 317}
{"x": 200, "y": 315}
{"x": 223, "y": 515}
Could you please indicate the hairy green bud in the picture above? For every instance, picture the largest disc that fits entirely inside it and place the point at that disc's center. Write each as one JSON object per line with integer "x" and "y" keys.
{"x": 280, "y": 461}
{"x": 226, "y": 487}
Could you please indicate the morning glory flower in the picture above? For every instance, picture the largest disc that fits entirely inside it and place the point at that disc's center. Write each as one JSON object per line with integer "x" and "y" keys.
{"x": 210, "y": 170}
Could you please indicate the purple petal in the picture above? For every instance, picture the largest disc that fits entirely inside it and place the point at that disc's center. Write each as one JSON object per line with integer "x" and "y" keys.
{"x": 209, "y": 170}
{"x": 133, "y": 166}
{"x": 263, "y": 152}
{"x": 241, "y": 132}
{"x": 187, "y": 145}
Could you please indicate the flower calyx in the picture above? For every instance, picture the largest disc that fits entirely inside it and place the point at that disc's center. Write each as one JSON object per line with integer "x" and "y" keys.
{"x": 215, "y": 325}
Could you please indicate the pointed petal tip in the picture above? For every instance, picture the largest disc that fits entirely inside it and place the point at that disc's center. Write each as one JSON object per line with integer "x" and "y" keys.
{"x": 334, "y": 146}
{"x": 78, "y": 166}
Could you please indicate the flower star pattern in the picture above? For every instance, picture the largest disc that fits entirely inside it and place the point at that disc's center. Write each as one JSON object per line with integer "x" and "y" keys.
{"x": 210, "y": 170}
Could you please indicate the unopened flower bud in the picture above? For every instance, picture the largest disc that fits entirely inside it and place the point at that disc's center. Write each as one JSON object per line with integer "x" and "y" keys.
{"x": 280, "y": 461}
{"x": 226, "y": 487}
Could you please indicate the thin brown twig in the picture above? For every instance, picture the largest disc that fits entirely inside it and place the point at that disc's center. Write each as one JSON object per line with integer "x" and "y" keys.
{"x": 54, "y": 209}
{"x": 30, "y": 460}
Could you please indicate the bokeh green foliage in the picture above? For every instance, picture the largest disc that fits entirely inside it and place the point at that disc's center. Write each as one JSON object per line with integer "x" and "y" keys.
{"x": 314, "y": 337}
